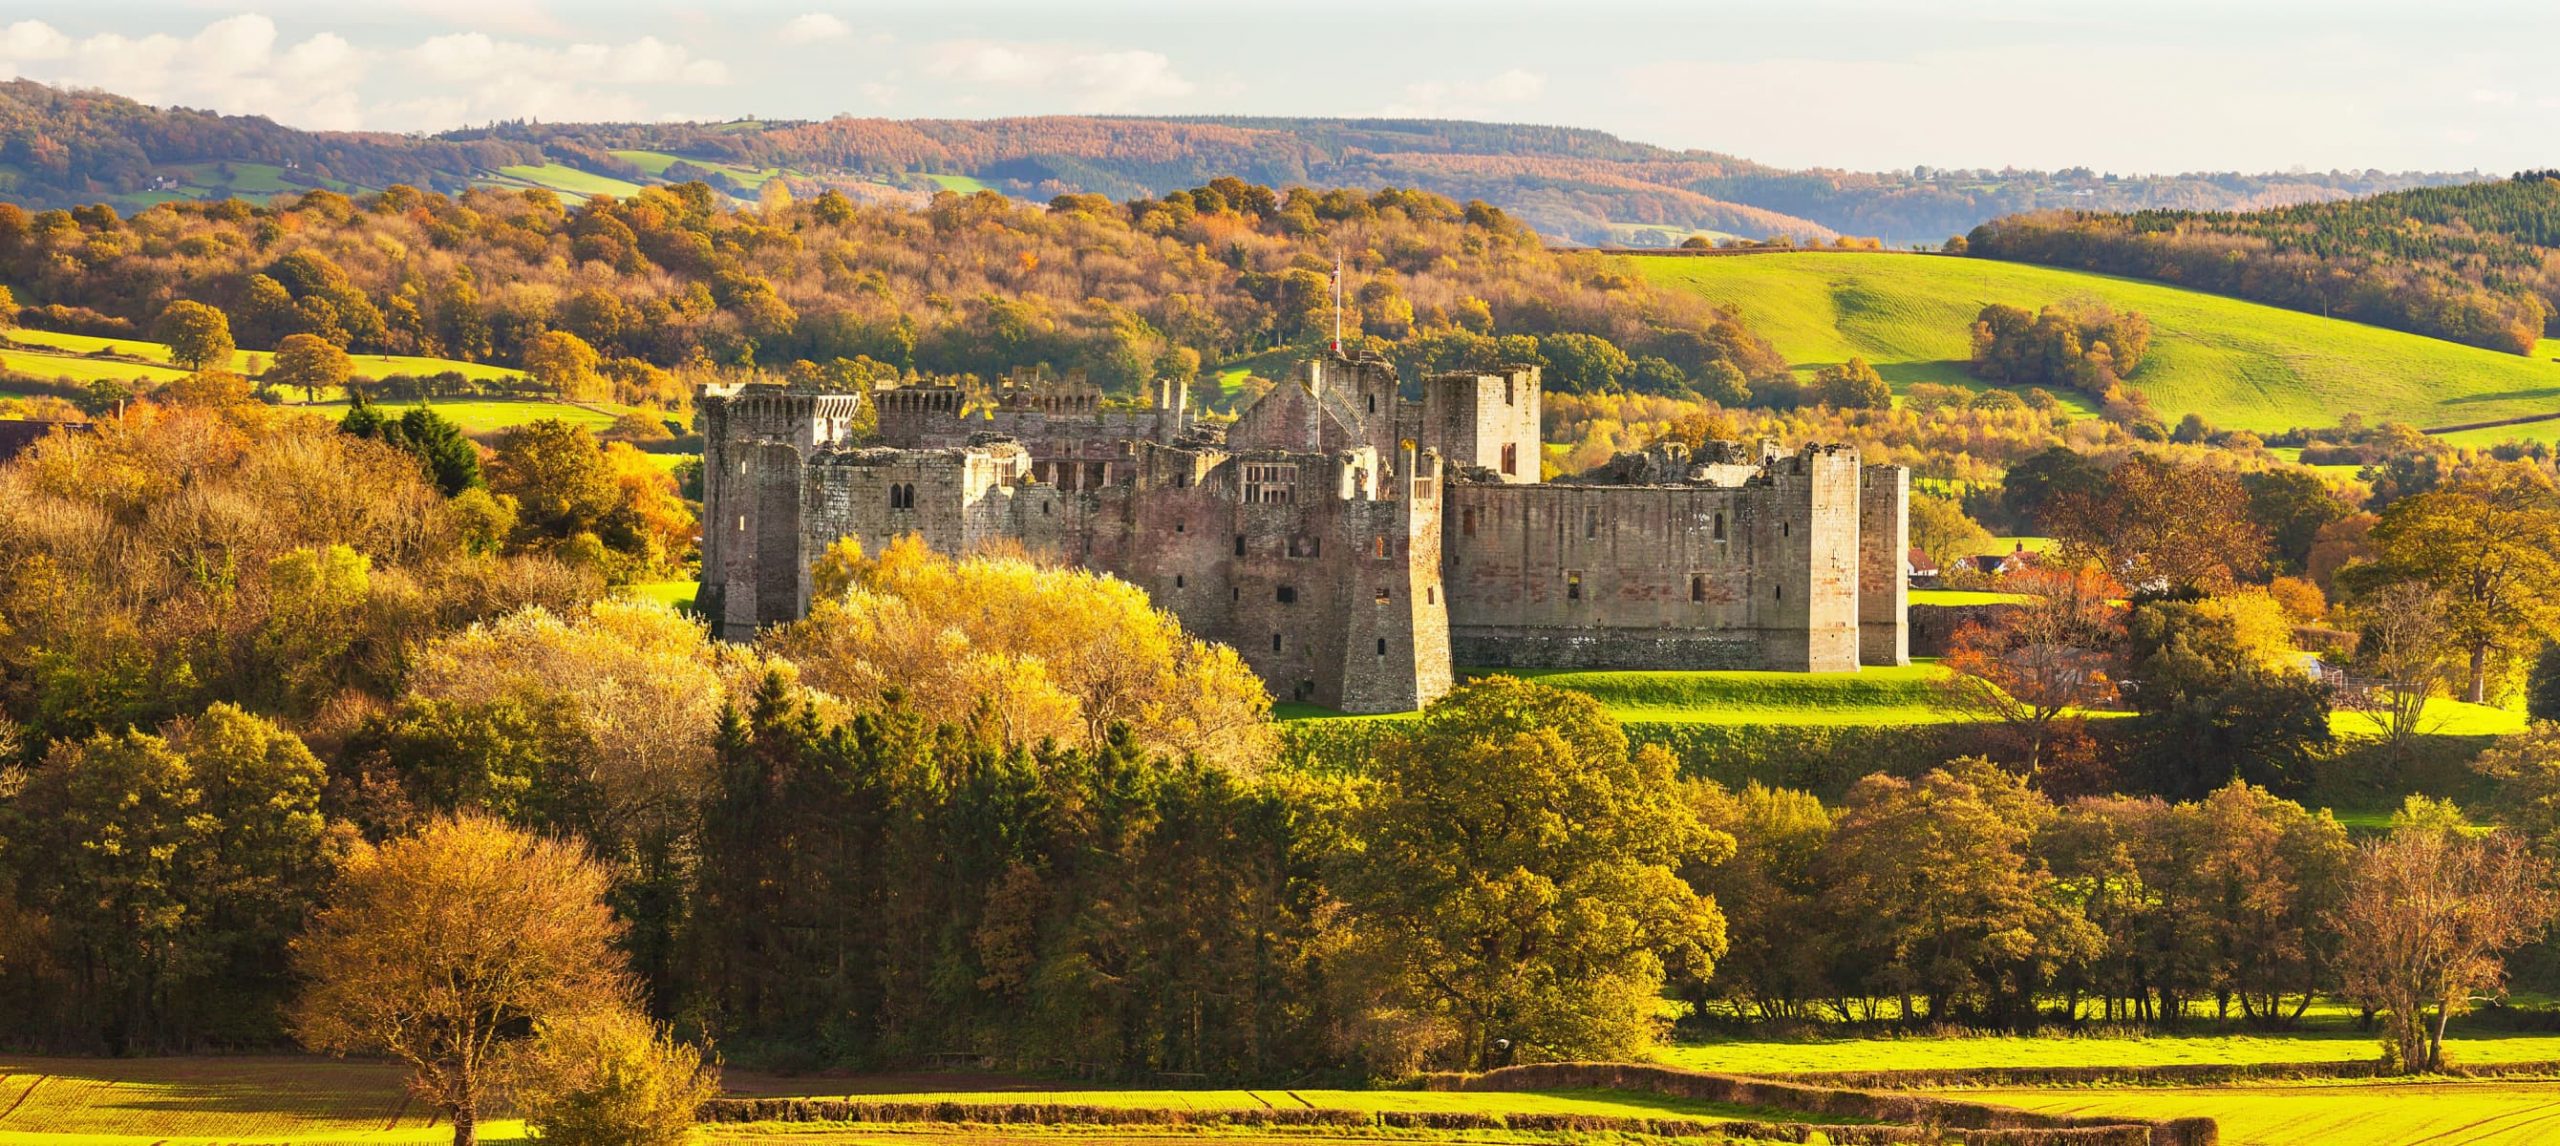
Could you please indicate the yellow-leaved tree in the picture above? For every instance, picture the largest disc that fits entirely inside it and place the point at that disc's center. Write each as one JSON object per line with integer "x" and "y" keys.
{"x": 1051, "y": 654}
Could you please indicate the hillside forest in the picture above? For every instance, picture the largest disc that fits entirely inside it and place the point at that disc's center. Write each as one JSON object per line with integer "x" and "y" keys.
{"x": 676, "y": 279}
{"x": 67, "y": 148}
{"x": 2477, "y": 263}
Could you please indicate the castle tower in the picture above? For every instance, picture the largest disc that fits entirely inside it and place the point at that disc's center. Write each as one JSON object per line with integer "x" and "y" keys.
{"x": 1884, "y": 546}
{"x": 756, "y": 440}
{"x": 1487, "y": 419}
{"x": 1394, "y": 650}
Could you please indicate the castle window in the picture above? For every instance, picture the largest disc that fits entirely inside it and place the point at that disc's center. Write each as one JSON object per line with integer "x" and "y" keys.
{"x": 1467, "y": 522}
{"x": 1239, "y": 545}
{"x": 1306, "y": 547}
{"x": 1235, "y": 594}
{"x": 1382, "y": 646}
{"x": 1786, "y": 529}
{"x": 1287, "y": 594}
{"x": 1270, "y": 483}
{"x": 1697, "y": 588}
{"x": 742, "y": 523}
{"x": 1573, "y": 586}
{"x": 1275, "y": 642}
{"x": 1590, "y": 522}
{"x": 1385, "y": 594}
{"x": 1177, "y": 580}
{"x": 1180, "y": 525}
{"x": 1511, "y": 457}
{"x": 1373, "y": 403}
{"x": 1781, "y": 594}
{"x": 1719, "y": 525}
{"x": 1378, "y": 547}
{"x": 1044, "y": 509}
{"x": 1431, "y": 596}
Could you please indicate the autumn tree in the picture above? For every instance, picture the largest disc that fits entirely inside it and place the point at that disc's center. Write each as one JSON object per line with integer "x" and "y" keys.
{"x": 558, "y": 475}
{"x": 2041, "y": 661}
{"x": 311, "y": 363}
{"x": 1048, "y": 653}
{"x": 2489, "y": 541}
{"x": 1519, "y": 881}
{"x": 172, "y": 867}
{"x": 199, "y": 336}
{"x": 564, "y": 364}
{"x": 1941, "y": 529}
{"x": 2218, "y": 698}
{"x": 447, "y": 949}
{"x": 2158, "y": 524}
{"x": 612, "y": 1077}
{"x": 1941, "y": 898}
{"x": 1780, "y": 952}
{"x": 1852, "y": 385}
{"x": 2431, "y": 912}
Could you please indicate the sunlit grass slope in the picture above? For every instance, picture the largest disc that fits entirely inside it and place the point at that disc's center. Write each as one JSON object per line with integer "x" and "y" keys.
{"x": 2364, "y": 1113}
{"x": 2238, "y": 363}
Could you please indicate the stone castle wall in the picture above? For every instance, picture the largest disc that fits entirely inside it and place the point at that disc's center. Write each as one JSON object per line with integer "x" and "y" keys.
{"x": 1351, "y": 546}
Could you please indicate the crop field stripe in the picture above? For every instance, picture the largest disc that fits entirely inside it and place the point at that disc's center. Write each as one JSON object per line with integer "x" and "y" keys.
{"x": 22, "y": 1097}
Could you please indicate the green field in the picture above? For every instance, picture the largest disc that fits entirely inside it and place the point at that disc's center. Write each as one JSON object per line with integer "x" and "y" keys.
{"x": 1947, "y": 597}
{"x": 2240, "y": 364}
{"x": 1904, "y": 695}
{"x": 673, "y": 594}
{"x": 76, "y": 347}
{"x": 960, "y": 183}
{"x": 655, "y": 164}
{"x": 490, "y": 416}
{"x": 2492, "y": 1113}
{"x": 306, "y": 1101}
{"x": 561, "y": 177}
{"x": 82, "y": 369}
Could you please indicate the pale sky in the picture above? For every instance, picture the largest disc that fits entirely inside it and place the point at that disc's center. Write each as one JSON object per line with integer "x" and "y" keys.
{"x": 2130, "y": 86}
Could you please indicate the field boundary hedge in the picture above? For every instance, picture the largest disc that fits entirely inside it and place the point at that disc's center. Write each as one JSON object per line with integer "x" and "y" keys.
{"x": 1974, "y": 1122}
{"x": 2164, "y": 1074}
{"x": 1821, "y": 758}
{"x": 827, "y": 1110}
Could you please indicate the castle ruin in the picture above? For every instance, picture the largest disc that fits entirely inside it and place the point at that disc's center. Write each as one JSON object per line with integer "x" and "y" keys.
{"x": 1350, "y": 544}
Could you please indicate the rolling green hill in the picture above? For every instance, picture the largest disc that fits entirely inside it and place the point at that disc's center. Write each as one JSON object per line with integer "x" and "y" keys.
{"x": 2240, "y": 364}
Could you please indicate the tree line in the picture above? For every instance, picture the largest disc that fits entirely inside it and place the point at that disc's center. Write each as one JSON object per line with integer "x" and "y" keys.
{"x": 605, "y": 299}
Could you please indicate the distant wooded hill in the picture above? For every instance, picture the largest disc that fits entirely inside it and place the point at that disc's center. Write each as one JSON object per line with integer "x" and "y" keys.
{"x": 64, "y": 148}
{"x": 2477, "y": 263}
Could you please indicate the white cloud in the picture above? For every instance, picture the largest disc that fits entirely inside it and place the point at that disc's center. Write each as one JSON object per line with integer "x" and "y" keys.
{"x": 1085, "y": 81}
{"x": 232, "y": 65}
{"x": 1469, "y": 98}
{"x": 816, "y": 27}
{"x": 521, "y": 17}
{"x": 476, "y": 57}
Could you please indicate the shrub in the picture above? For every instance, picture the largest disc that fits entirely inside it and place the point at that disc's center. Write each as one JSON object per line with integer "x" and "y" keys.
{"x": 612, "y": 1078}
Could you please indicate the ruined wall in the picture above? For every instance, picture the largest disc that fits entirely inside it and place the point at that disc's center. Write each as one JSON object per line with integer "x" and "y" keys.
{"x": 1884, "y": 545}
{"x": 1761, "y": 575}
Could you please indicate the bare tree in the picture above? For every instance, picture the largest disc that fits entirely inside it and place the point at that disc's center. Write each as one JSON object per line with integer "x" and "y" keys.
{"x": 2040, "y": 661}
{"x": 2404, "y": 657}
{"x": 2431, "y": 912}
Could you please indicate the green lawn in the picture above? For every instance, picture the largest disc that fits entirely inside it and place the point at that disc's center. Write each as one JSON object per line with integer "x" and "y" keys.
{"x": 2443, "y": 717}
{"x": 1903, "y": 695}
{"x": 491, "y": 415}
{"x": 2239, "y": 364}
{"x": 960, "y": 183}
{"x": 1964, "y": 597}
{"x": 2359, "y": 1113}
{"x": 364, "y": 365}
{"x": 82, "y": 369}
{"x": 304, "y": 1101}
{"x": 673, "y": 594}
